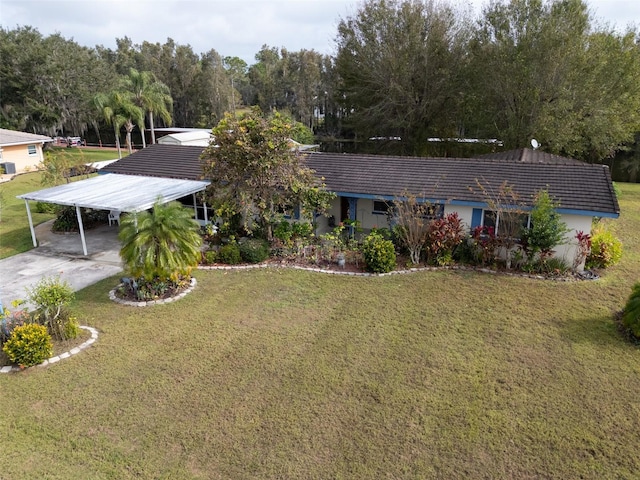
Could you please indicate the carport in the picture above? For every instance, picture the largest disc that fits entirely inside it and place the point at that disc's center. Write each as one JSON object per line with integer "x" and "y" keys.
{"x": 115, "y": 193}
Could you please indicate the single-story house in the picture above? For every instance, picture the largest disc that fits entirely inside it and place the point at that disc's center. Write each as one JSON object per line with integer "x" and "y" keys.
{"x": 365, "y": 185}
{"x": 21, "y": 151}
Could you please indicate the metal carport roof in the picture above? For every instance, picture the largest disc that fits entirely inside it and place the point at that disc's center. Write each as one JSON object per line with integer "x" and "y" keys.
{"x": 113, "y": 192}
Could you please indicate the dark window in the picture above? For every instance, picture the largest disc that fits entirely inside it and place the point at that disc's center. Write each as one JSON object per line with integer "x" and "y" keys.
{"x": 380, "y": 207}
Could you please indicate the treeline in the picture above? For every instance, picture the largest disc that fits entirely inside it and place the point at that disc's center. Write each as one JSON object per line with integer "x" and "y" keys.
{"x": 405, "y": 72}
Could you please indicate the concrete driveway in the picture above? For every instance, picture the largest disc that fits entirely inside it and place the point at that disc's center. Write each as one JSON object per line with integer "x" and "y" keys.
{"x": 60, "y": 255}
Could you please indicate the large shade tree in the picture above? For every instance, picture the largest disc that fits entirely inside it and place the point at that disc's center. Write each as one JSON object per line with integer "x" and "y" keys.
{"x": 399, "y": 64}
{"x": 160, "y": 244}
{"x": 540, "y": 70}
{"x": 255, "y": 172}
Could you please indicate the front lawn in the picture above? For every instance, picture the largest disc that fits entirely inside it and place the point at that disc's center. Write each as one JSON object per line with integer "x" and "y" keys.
{"x": 275, "y": 373}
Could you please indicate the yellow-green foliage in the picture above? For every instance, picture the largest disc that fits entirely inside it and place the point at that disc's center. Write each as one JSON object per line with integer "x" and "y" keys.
{"x": 28, "y": 345}
{"x": 379, "y": 254}
{"x": 606, "y": 248}
{"x": 631, "y": 315}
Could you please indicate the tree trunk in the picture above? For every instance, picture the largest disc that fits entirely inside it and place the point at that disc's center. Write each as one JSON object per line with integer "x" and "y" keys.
{"x": 144, "y": 140}
{"x": 117, "y": 134}
{"x": 153, "y": 132}
{"x": 129, "y": 128}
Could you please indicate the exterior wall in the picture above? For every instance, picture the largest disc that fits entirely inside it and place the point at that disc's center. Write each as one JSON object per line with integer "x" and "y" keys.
{"x": 369, "y": 220}
{"x": 575, "y": 223}
{"x": 19, "y": 154}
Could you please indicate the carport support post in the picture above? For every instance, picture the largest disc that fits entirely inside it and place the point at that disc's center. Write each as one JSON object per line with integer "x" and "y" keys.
{"x": 84, "y": 242}
{"x": 33, "y": 231}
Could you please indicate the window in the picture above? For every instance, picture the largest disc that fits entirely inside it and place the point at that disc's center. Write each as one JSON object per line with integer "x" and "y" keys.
{"x": 31, "y": 149}
{"x": 510, "y": 224}
{"x": 380, "y": 207}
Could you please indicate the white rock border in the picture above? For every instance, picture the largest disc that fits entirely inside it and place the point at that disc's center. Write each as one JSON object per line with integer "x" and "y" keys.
{"x": 114, "y": 298}
{"x": 393, "y": 272}
{"x": 62, "y": 356}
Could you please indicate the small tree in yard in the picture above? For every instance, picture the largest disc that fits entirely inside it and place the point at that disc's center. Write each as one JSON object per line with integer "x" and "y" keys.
{"x": 505, "y": 201}
{"x": 254, "y": 171}
{"x": 546, "y": 231}
{"x": 162, "y": 244}
{"x": 412, "y": 224}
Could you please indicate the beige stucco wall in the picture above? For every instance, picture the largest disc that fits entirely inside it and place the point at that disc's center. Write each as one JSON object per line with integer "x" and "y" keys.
{"x": 19, "y": 154}
{"x": 369, "y": 220}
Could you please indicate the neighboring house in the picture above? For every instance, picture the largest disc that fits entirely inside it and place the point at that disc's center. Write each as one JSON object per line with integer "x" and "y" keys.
{"x": 196, "y": 138}
{"x": 21, "y": 151}
{"x": 366, "y": 185}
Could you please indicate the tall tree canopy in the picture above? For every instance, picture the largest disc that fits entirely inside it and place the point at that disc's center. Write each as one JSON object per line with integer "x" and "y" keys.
{"x": 399, "y": 63}
{"x": 539, "y": 70}
{"x": 255, "y": 172}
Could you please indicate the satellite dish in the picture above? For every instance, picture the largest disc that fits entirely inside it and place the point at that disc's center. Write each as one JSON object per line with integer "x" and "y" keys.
{"x": 534, "y": 143}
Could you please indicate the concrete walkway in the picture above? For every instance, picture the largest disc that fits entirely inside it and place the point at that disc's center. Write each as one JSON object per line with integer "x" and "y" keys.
{"x": 60, "y": 255}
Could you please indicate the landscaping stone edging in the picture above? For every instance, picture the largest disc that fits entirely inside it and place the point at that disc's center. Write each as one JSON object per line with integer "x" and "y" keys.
{"x": 62, "y": 356}
{"x": 394, "y": 272}
{"x": 114, "y": 298}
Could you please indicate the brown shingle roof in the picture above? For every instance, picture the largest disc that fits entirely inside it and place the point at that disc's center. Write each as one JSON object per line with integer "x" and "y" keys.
{"x": 169, "y": 161}
{"x": 581, "y": 187}
{"x": 577, "y": 186}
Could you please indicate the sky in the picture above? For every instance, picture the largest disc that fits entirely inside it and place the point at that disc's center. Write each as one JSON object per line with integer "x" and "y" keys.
{"x": 231, "y": 27}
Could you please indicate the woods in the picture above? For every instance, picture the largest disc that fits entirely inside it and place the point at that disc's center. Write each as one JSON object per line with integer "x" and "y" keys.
{"x": 404, "y": 72}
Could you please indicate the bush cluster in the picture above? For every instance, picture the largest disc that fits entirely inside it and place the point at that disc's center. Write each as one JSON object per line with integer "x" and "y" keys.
{"x": 229, "y": 254}
{"x": 606, "y": 248}
{"x": 631, "y": 314}
{"x": 52, "y": 298}
{"x": 379, "y": 254}
{"x": 28, "y": 345}
{"x": 254, "y": 250}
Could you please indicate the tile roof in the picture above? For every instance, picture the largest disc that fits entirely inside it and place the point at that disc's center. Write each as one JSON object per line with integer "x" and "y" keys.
{"x": 576, "y": 186}
{"x": 13, "y": 137}
{"x": 169, "y": 161}
{"x": 527, "y": 155}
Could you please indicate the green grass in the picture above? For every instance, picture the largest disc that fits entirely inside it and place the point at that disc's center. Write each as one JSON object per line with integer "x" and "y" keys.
{"x": 15, "y": 236}
{"x": 289, "y": 374}
{"x": 86, "y": 155}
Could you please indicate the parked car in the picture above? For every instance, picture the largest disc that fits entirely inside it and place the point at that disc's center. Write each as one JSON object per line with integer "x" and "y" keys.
{"x": 74, "y": 141}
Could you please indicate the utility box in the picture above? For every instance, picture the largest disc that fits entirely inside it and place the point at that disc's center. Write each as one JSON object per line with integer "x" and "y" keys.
{"x": 8, "y": 167}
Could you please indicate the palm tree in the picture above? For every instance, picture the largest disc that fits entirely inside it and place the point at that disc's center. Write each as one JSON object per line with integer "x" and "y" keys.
{"x": 119, "y": 109}
{"x": 107, "y": 105}
{"x": 152, "y": 96}
{"x": 162, "y": 244}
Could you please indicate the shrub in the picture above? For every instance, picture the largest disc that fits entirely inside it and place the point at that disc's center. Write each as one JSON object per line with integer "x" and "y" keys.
{"x": 483, "y": 243}
{"x": 254, "y": 250}
{"x": 379, "y": 254}
{"x": 606, "y": 248}
{"x": 229, "y": 254}
{"x": 443, "y": 236}
{"x": 28, "y": 345}
{"x": 10, "y": 320}
{"x": 52, "y": 297}
{"x": 67, "y": 220}
{"x": 547, "y": 230}
{"x": 209, "y": 257}
{"x": 44, "y": 207}
{"x": 631, "y": 313}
